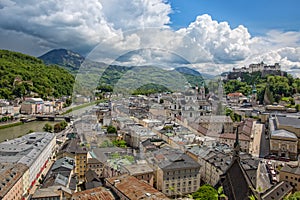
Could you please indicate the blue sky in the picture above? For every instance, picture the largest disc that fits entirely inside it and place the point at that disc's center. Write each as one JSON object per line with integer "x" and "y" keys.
{"x": 259, "y": 16}
{"x": 212, "y": 35}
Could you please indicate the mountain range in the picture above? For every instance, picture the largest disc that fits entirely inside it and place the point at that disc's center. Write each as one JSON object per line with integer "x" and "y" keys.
{"x": 111, "y": 74}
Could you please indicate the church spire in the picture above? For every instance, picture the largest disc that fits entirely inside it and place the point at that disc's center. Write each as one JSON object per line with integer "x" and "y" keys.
{"x": 236, "y": 149}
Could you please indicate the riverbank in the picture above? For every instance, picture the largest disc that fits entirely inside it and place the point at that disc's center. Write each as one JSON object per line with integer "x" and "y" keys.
{"x": 23, "y": 129}
{"x": 83, "y": 106}
{"x": 11, "y": 124}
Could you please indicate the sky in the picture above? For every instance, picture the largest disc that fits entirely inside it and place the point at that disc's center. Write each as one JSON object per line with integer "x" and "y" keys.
{"x": 211, "y": 36}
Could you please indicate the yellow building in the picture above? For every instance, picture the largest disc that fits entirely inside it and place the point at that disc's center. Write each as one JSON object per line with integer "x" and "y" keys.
{"x": 11, "y": 179}
{"x": 291, "y": 174}
{"x": 80, "y": 163}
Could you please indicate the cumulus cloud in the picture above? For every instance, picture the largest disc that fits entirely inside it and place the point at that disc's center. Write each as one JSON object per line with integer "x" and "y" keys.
{"x": 218, "y": 39}
{"x": 137, "y": 32}
{"x": 80, "y": 24}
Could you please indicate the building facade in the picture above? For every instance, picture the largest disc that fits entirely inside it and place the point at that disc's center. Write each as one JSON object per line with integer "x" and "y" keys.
{"x": 291, "y": 174}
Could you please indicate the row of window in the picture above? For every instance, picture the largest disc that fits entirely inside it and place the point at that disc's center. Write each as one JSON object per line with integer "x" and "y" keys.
{"x": 184, "y": 190}
{"x": 179, "y": 184}
{"x": 181, "y": 177}
{"x": 292, "y": 178}
{"x": 183, "y": 171}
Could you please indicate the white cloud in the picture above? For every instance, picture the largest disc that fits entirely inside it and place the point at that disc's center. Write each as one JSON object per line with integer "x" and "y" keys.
{"x": 124, "y": 27}
{"x": 80, "y": 24}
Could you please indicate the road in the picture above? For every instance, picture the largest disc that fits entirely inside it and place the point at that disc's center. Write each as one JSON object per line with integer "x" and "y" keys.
{"x": 260, "y": 145}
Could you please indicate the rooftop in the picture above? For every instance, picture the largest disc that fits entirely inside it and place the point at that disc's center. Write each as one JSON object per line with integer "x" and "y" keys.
{"x": 9, "y": 175}
{"x": 102, "y": 154}
{"x": 65, "y": 162}
{"x": 138, "y": 169}
{"x": 133, "y": 188}
{"x": 25, "y": 149}
{"x": 52, "y": 191}
{"x": 283, "y": 134}
{"x": 291, "y": 169}
{"x": 174, "y": 159}
{"x": 93, "y": 194}
{"x": 278, "y": 191}
{"x": 288, "y": 121}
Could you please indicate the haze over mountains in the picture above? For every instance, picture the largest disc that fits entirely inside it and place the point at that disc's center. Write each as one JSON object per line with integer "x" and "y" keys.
{"x": 89, "y": 75}
{"x": 112, "y": 74}
{"x": 72, "y": 61}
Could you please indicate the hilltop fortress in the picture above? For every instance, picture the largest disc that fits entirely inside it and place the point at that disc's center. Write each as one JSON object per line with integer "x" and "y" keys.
{"x": 262, "y": 68}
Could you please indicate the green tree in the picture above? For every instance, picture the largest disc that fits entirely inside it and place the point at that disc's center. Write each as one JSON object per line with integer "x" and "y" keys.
{"x": 68, "y": 102}
{"x": 111, "y": 129}
{"x": 57, "y": 128}
{"x": 294, "y": 196}
{"x": 63, "y": 124}
{"x": 48, "y": 128}
{"x": 106, "y": 143}
{"x": 220, "y": 193}
{"x": 206, "y": 192}
{"x": 22, "y": 74}
{"x": 120, "y": 143}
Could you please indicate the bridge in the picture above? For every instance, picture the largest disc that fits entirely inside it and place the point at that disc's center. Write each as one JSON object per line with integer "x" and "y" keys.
{"x": 53, "y": 117}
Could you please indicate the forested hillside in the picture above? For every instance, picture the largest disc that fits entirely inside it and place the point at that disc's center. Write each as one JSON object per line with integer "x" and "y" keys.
{"x": 275, "y": 87}
{"x": 22, "y": 75}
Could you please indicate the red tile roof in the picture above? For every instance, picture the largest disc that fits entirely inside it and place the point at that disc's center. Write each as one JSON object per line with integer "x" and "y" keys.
{"x": 134, "y": 188}
{"x": 93, "y": 194}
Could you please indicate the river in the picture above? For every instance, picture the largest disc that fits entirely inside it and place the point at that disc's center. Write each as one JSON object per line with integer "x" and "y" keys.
{"x": 17, "y": 131}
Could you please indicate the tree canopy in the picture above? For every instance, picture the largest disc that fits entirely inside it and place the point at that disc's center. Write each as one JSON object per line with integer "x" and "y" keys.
{"x": 23, "y": 75}
{"x": 271, "y": 87}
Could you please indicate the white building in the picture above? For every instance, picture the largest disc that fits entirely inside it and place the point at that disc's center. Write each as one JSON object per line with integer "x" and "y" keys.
{"x": 33, "y": 150}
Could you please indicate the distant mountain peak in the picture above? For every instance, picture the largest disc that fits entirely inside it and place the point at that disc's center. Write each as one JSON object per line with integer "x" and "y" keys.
{"x": 66, "y": 58}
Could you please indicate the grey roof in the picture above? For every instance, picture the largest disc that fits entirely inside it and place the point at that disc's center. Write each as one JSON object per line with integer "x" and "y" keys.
{"x": 25, "y": 149}
{"x": 101, "y": 153}
{"x": 90, "y": 176}
{"x": 288, "y": 121}
{"x": 283, "y": 133}
{"x": 137, "y": 169}
{"x": 65, "y": 162}
{"x": 291, "y": 169}
{"x": 61, "y": 180}
{"x": 174, "y": 159}
{"x": 278, "y": 191}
